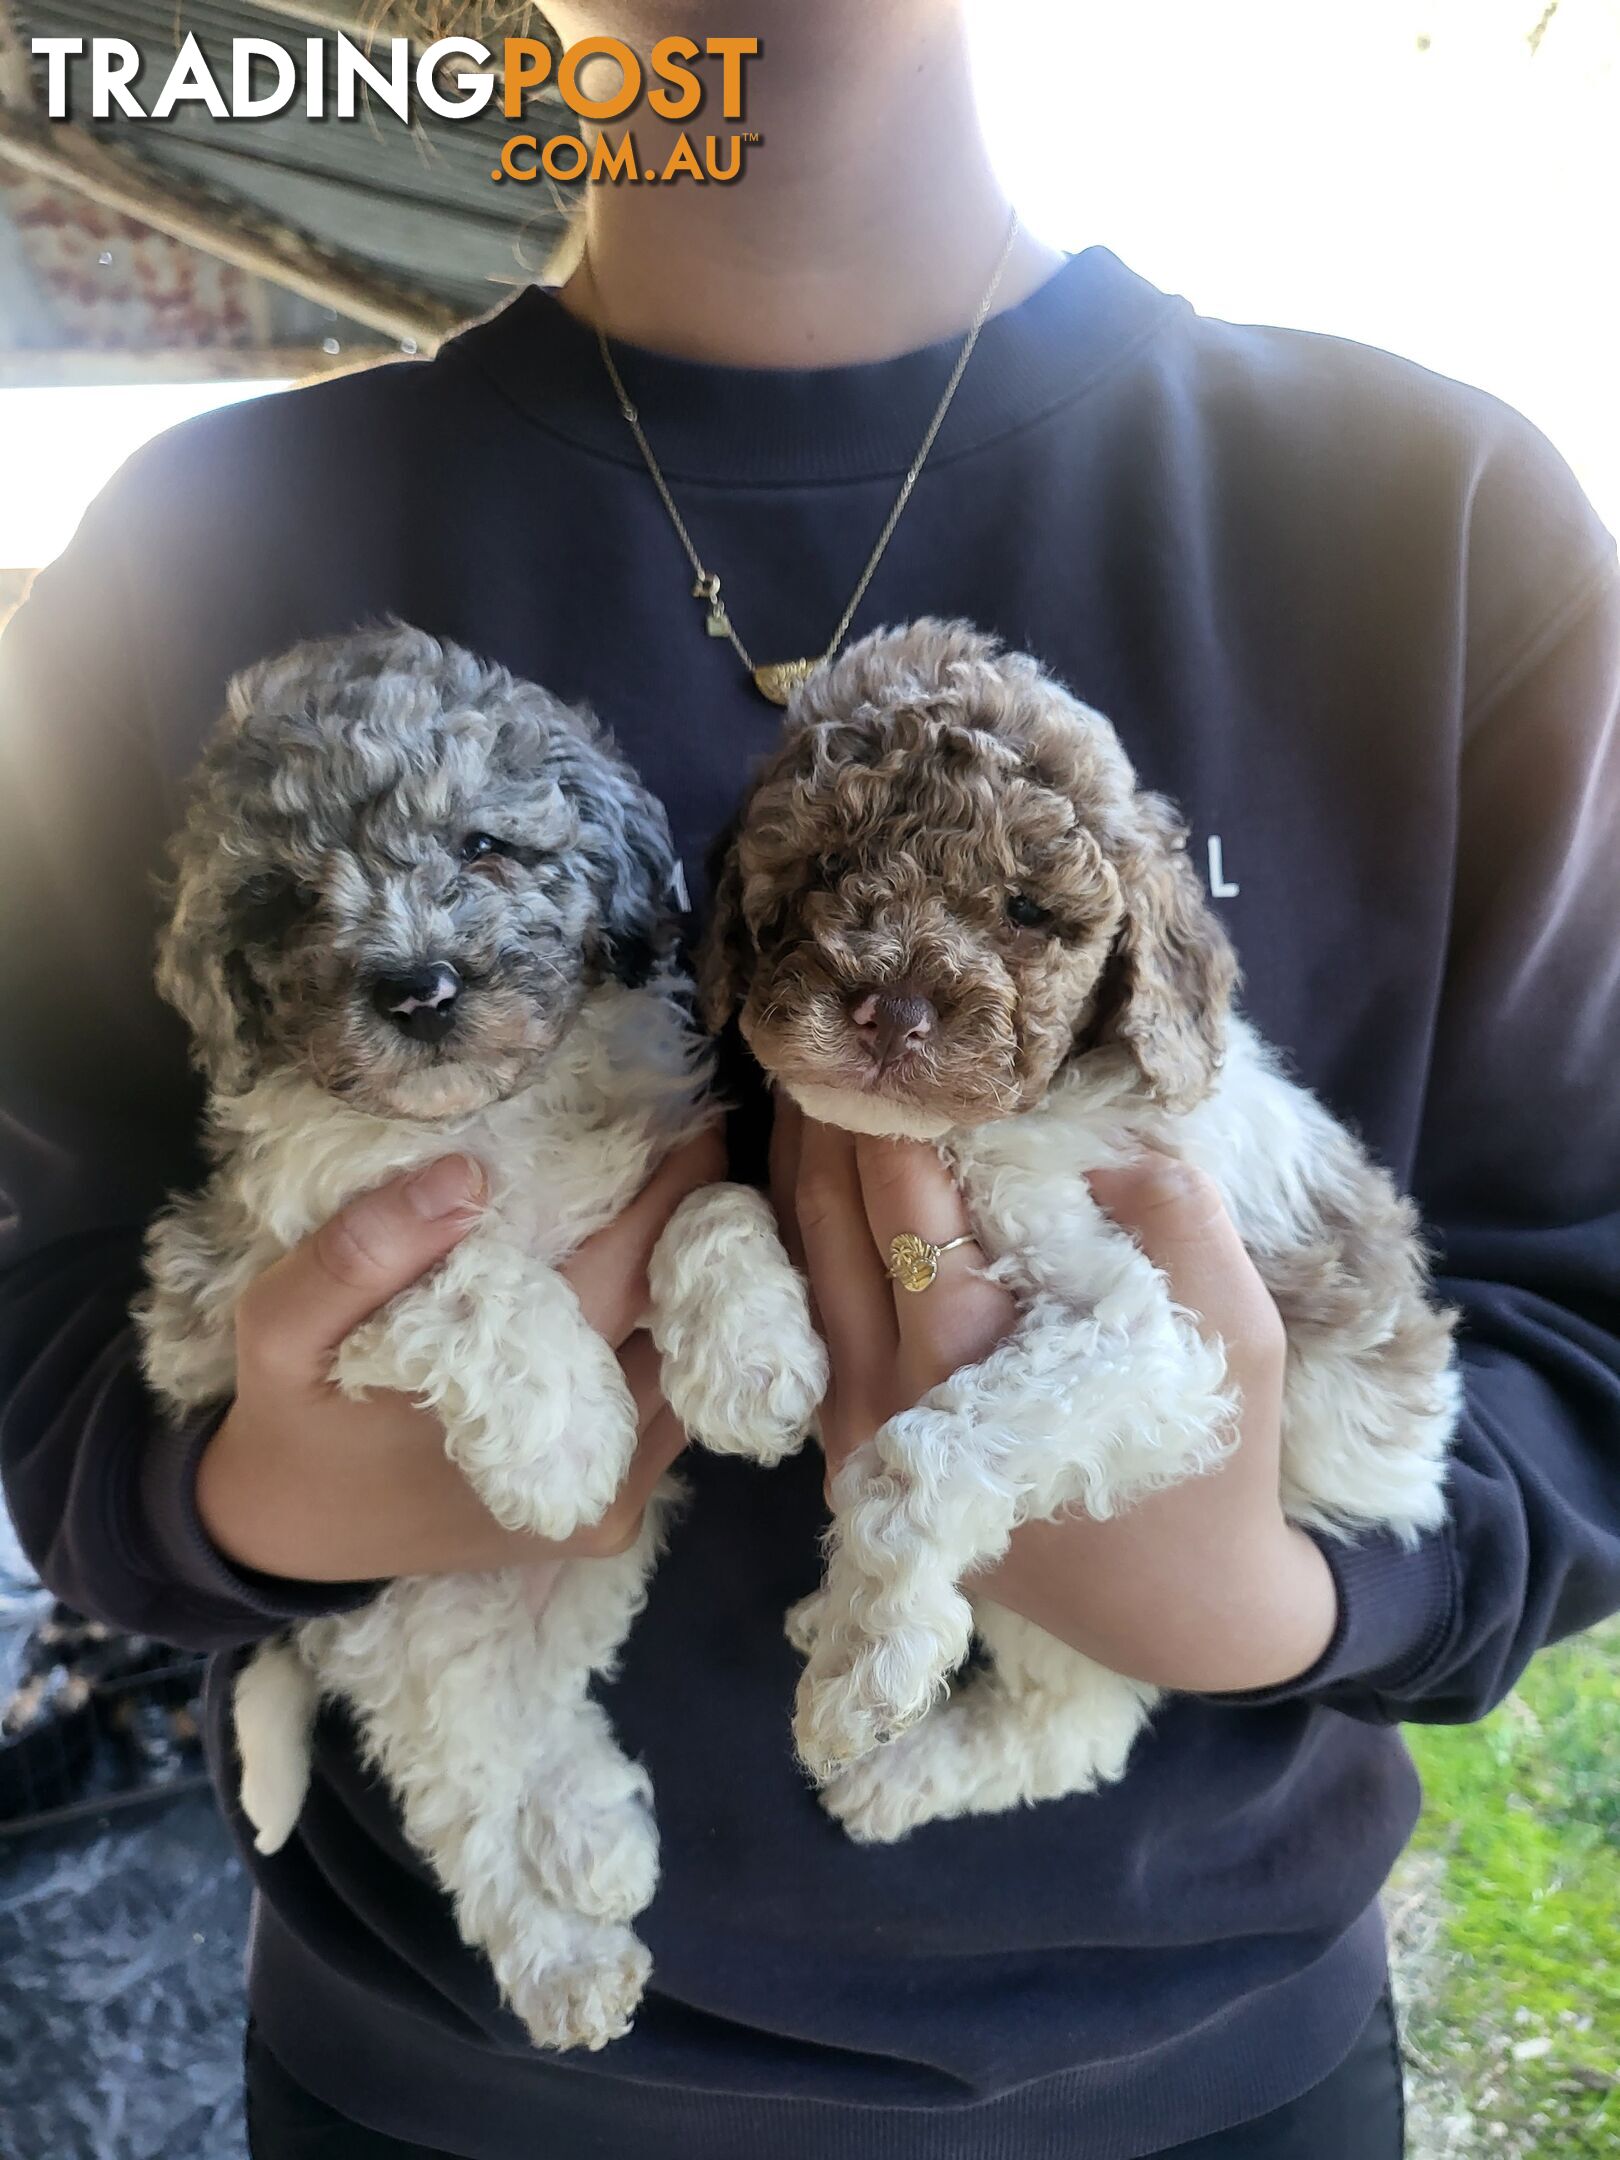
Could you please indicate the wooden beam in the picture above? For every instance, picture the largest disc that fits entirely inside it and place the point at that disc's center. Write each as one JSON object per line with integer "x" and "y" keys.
{"x": 83, "y": 367}
{"x": 363, "y": 24}
{"x": 118, "y": 180}
{"x": 16, "y": 80}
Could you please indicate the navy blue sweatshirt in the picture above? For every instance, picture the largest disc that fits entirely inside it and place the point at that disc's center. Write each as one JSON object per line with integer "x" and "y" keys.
{"x": 1364, "y": 627}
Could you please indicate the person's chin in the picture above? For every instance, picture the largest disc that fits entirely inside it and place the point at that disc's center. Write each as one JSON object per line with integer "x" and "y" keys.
{"x": 862, "y": 1110}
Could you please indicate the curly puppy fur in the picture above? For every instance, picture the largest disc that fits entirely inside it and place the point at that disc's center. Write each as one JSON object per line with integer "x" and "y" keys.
{"x": 949, "y": 912}
{"x": 420, "y": 907}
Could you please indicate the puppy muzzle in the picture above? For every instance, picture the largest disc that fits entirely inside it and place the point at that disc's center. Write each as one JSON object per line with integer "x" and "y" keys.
{"x": 422, "y": 1002}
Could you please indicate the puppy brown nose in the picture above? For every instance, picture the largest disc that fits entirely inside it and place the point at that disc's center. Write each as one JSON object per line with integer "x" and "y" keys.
{"x": 891, "y": 1021}
{"x": 422, "y": 1002}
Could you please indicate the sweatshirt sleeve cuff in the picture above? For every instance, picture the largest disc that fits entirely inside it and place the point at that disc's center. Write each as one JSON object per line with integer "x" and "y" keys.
{"x": 237, "y": 1598}
{"x": 1395, "y": 1608}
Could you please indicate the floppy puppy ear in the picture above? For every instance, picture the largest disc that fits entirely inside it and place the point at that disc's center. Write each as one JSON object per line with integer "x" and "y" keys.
{"x": 1168, "y": 984}
{"x": 203, "y": 973}
{"x": 633, "y": 870}
{"x": 726, "y": 954}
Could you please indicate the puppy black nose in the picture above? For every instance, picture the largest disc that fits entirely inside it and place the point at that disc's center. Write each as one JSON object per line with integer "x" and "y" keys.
{"x": 892, "y": 1021}
{"x": 421, "y": 1004}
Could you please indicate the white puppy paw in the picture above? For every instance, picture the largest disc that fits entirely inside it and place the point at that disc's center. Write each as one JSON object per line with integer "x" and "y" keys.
{"x": 864, "y": 1685}
{"x": 842, "y": 1714}
{"x": 586, "y": 2004}
{"x": 802, "y": 1623}
{"x": 743, "y": 1369}
{"x": 534, "y": 1405}
{"x": 536, "y": 1478}
{"x": 763, "y": 1406}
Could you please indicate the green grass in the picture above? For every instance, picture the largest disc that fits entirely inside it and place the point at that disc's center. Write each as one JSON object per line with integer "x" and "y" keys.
{"x": 1520, "y": 2010}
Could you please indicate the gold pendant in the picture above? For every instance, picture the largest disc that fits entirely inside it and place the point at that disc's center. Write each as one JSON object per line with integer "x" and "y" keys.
{"x": 778, "y": 679}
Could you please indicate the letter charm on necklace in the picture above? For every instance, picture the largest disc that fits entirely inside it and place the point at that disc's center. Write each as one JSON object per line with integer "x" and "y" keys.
{"x": 707, "y": 589}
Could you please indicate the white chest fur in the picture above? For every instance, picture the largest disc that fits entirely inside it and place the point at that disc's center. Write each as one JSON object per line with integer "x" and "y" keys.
{"x": 563, "y": 1155}
{"x": 1260, "y": 1137}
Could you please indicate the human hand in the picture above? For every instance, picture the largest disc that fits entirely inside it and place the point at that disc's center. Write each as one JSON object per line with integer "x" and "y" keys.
{"x": 1204, "y": 1585}
{"x": 841, "y": 1199}
{"x": 302, "y": 1481}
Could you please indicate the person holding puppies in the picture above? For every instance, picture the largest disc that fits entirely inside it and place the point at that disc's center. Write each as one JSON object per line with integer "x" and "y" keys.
{"x": 1363, "y": 629}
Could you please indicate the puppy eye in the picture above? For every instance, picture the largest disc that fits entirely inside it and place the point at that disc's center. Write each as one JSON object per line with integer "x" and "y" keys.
{"x": 1026, "y": 913}
{"x": 271, "y": 908}
{"x": 832, "y": 868}
{"x": 480, "y": 846}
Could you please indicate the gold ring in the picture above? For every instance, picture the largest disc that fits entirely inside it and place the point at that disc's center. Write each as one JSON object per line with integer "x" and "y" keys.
{"x": 914, "y": 1262}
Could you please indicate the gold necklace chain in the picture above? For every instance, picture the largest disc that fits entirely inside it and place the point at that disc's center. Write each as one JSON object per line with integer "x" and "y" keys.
{"x": 777, "y": 678}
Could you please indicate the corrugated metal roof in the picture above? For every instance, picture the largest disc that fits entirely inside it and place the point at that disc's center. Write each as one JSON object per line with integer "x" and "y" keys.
{"x": 415, "y": 202}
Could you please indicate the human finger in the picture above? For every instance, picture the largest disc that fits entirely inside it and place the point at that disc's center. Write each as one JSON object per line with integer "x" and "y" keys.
{"x": 854, "y": 1309}
{"x": 959, "y": 1317}
{"x": 304, "y": 1305}
{"x": 787, "y": 1149}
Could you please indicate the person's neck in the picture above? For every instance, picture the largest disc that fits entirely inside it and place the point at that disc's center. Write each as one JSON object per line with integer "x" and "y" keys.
{"x": 867, "y": 220}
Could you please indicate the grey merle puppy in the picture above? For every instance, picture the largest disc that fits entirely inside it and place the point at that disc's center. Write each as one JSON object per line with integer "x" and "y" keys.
{"x": 418, "y": 907}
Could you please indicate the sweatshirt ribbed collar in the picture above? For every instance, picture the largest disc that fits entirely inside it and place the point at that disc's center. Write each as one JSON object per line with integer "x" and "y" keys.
{"x": 774, "y": 427}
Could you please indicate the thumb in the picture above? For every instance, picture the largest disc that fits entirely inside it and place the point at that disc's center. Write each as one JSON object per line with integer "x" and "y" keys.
{"x": 304, "y": 1306}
